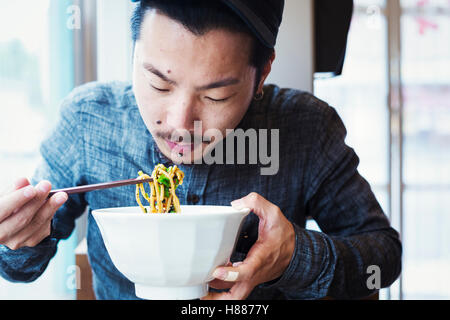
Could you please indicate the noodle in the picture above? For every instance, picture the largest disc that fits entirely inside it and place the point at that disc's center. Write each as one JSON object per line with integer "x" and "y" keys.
{"x": 162, "y": 197}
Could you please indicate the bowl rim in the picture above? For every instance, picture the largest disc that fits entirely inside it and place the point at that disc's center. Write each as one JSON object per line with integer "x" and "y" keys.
{"x": 115, "y": 211}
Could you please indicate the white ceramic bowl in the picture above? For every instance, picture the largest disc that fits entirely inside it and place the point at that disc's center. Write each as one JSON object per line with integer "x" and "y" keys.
{"x": 170, "y": 256}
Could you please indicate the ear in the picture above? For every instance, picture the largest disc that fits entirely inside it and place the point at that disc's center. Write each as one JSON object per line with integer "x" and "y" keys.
{"x": 266, "y": 71}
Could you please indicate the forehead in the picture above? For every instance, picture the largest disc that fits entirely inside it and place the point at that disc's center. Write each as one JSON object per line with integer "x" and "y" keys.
{"x": 164, "y": 40}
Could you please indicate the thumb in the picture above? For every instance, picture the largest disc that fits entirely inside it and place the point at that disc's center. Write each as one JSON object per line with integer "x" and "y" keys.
{"x": 256, "y": 203}
{"x": 20, "y": 183}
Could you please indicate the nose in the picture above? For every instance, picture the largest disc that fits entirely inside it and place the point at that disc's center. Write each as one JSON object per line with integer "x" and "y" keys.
{"x": 182, "y": 113}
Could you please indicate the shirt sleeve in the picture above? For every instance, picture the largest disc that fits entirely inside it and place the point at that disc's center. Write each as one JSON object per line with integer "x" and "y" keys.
{"x": 61, "y": 164}
{"x": 356, "y": 234}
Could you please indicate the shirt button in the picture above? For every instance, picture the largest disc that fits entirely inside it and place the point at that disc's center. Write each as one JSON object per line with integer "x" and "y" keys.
{"x": 193, "y": 198}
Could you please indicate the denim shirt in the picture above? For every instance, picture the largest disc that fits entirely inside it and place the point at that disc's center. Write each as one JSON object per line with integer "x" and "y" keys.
{"x": 102, "y": 137}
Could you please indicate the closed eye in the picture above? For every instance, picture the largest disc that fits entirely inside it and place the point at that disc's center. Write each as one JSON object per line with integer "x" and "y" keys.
{"x": 217, "y": 100}
{"x": 220, "y": 100}
{"x": 159, "y": 89}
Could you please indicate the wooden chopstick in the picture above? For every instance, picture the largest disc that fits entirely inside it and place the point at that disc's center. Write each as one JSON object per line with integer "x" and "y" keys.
{"x": 98, "y": 186}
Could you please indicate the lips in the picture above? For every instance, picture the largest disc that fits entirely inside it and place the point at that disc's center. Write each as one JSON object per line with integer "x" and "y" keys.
{"x": 180, "y": 147}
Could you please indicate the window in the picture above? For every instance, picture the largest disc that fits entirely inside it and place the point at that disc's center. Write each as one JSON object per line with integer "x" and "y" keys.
{"x": 36, "y": 72}
{"x": 425, "y": 72}
{"x": 420, "y": 154}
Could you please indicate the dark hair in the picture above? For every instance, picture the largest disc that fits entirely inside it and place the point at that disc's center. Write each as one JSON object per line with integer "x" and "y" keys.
{"x": 199, "y": 17}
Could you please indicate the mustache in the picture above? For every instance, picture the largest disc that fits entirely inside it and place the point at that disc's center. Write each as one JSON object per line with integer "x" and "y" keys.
{"x": 179, "y": 136}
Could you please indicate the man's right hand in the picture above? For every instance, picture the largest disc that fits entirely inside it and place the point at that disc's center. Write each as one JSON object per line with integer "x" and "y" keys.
{"x": 26, "y": 213}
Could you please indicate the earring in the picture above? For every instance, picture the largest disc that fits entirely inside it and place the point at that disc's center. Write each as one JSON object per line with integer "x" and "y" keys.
{"x": 259, "y": 96}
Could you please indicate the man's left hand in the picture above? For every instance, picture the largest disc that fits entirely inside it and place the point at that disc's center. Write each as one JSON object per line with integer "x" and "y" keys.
{"x": 267, "y": 259}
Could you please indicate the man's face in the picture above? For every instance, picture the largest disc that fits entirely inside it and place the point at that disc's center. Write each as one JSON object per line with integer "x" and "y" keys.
{"x": 179, "y": 78}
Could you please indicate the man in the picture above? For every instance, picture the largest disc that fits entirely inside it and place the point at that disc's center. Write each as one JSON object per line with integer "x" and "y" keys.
{"x": 206, "y": 62}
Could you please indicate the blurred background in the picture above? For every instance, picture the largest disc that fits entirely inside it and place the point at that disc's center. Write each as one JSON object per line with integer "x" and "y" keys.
{"x": 392, "y": 91}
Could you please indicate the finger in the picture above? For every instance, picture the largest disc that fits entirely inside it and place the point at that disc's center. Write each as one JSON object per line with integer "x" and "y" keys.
{"x": 244, "y": 270}
{"x": 30, "y": 240}
{"x": 238, "y": 291}
{"x": 19, "y": 184}
{"x": 38, "y": 236}
{"x": 15, "y": 200}
{"x": 47, "y": 211}
{"x": 39, "y": 227}
{"x": 239, "y": 271}
{"x": 219, "y": 284}
{"x": 19, "y": 220}
{"x": 212, "y": 296}
{"x": 216, "y": 296}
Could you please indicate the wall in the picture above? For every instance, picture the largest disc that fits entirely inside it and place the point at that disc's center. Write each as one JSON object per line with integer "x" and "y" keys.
{"x": 114, "y": 45}
{"x": 293, "y": 66}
